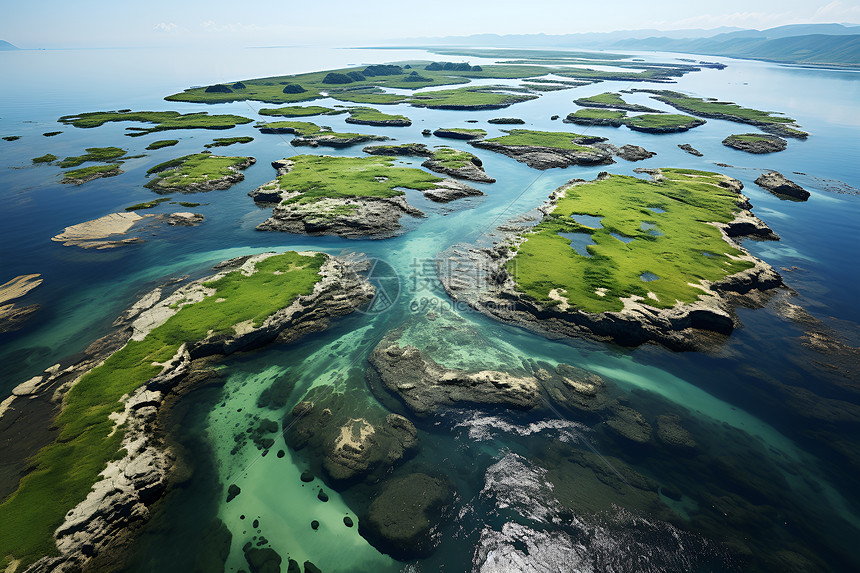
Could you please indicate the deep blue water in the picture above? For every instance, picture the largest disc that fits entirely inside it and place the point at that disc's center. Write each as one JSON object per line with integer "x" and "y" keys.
{"x": 790, "y": 486}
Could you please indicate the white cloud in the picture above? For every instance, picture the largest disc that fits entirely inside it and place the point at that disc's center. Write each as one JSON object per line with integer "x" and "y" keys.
{"x": 165, "y": 27}
{"x": 838, "y": 11}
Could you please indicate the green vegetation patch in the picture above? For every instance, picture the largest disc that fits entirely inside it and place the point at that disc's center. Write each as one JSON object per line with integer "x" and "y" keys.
{"x": 162, "y": 143}
{"x": 371, "y": 115}
{"x": 730, "y": 111}
{"x": 163, "y": 120}
{"x": 189, "y": 204}
{"x": 300, "y": 111}
{"x": 452, "y": 158}
{"x": 192, "y": 170}
{"x": 672, "y": 240}
{"x": 47, "y": 158}
{"x": 611, "y": 100}
{"x": 308, "y": 129}
{"x": 553, "y": 139}
{"x": 320, "y": 177}
{"x": 92, "y": 172}
{"x": 225, "y": 141}
{"x": 468, "y": 98}
{"x": 100, "y": 154}
{"x": 663, "y": 121}
{"x": 65, "y": 470}
{"x": 148, "y": 204}
{"x": 597, "y": 114}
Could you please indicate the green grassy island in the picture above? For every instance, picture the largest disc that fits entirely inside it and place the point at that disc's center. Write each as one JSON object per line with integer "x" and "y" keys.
{"x": 654, "y": 231}
{"x": 371, "y": 116}
{"x": 611, "y": 117}
{"x": 47, "y": 158}
{"x": 308, "y": 133}
{"x": 84, "y": 174}
{"x": 100, "y": 154}
{"x": 468, "y": 99}
{"x": 90, "y": 434}
{"x": 300, "y": 111}
{"x": 460, "y": 133}
{"x": 226, "y": 141}
{"x": 148, "y": 204}
{"x": 702, "y": 107}
{"x": 162, "y": 120}
{"x": 613, "y": 101}
{"x": 662, "y": 122}
{"x": 547, "y": 149}
{"x": 161, "y": 143}
{"x": 198, "y": 172}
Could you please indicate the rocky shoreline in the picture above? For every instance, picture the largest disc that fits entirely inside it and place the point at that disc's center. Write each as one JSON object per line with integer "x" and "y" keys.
{"x": 781, "y": 186}
{"x": 755, "y": 143}
{"x": 380, "y": 122}
{"x": 201, "y": 186}
{"x": 538, "y": 157}
{"x": 483, "y": 282}
{"x": 132, "y": 483}
{"x": 92, "y": 176}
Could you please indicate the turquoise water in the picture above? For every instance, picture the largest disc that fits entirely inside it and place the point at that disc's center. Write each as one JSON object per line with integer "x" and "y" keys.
{"x": 774, "y": 420}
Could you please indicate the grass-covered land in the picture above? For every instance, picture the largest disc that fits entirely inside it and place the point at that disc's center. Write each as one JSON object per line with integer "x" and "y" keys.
{"x": 92, "y": 172}
{"x": 460, "y": 133}
{"x": 162, "y": 120}
{"x": 552, "y": 139}
{"x": 193, "y": 171}
{"x": 371, "y": 116}
{"x": 767, "y": 120}
{"x": 88, "y": 438}
{"x": 162, "y": 143}
{"x": 98, "y": 154}
{"x": 662, "y": 122}
{"x": 590, "y": 116}
{"x": 357, "y": 84}
{"x": 676, "y": 245}
{"x": 314, "y": 133}
{"x": 452, "y": 158}
{"x": 320, "y": 177}
{"x": 147, "y": 204}
{"x": 301, "y": 128}
{"x": 300, "y": 111}
{"x": 189, "y": 204}
{"x": 468, "y": 98}
{"x": 611, "y": 100}
{"x": 225, "y": 141}
{"x": 47, "y": 158}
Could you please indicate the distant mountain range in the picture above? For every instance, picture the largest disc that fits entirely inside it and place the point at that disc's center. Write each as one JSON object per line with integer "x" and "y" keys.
{"x": 4, "y": 45}
{"x": 834, "y": 44}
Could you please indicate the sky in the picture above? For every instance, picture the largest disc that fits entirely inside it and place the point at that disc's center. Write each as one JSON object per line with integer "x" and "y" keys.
{"x": 131, "y": 23}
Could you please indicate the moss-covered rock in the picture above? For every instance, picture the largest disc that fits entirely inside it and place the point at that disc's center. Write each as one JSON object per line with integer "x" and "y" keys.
{"x": 337, "y": 78}
{"x": 294, "y": 89}
{"x": 403, "y": 518}
{"x": 219, "y": 89}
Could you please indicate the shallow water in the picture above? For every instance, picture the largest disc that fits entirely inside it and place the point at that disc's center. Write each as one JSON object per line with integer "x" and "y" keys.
{"x": 763, "y": 409}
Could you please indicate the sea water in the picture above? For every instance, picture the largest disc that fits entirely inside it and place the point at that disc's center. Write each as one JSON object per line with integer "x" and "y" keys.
{"x": 732, "y": 400}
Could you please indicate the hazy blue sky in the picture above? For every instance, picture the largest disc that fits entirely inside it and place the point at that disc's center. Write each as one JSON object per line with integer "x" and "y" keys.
{"x": 108, "y": 23}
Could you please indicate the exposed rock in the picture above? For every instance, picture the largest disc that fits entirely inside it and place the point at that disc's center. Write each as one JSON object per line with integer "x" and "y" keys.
{"x": 12, "y": 315}
{"x": 690, "y": 149}
{"x": 686, "y": 126}
{"x": 778, "y": 184}
{"x": 629, "y": 424}
{"x": 354, "y": 441}
{"x": 449, "y": 190}
{"x": 185, "y": 219}
{"x": 761, "y": 144}
{"x": 404, "y": 517}
{"x": 671, "y": 433}
{"x": 627, "y": 152}
{"x": 506, "y": 121}
{"x": 262, "y": 560}
{"x": 105, "y": 232}
{"x": 548, "y": 157}
{"x": 232, "y": 492}
{"x": 394, "y": 122}
{"x": 425, "y": 386}
{"x": 347, "y": 521}
{"x": 426, "y": 132}
{"x": 411, "y": 149}
{"x": 139, "y": 475}
{"x": 472, "y": 171}
{"x": 553, "y": 118}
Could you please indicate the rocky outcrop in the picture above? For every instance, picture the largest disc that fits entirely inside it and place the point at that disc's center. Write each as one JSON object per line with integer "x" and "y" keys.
{"x": 105, "y": 232}
{"x": 12, "y": 314}
{"x": 586, "y": 120}
{"x": 674, "y": 128}
{"x": 404, "y": 518}
{"x": 690, "y": 149}
{"x": 351, "y": 218}
{"x": 81, "y": 179}
{"x": 472, "y": 170}
{"x": 142, "y": 469}
{"x": 627, "y": 152}
{"x": 449, "y": 190}
{"x": 780, "y": 186}
{"x": 755, "y": 143}
{"x": 184, "y": 219}
{"x": 482, "y": 282}
{"x": 539, "y": 157}
{"x": 506, "y": 121}
{"x": 425, "y": 386}
{"x": 355, "y": 442}
{"x": 408, "y": 149}
{"x": 328, "y": 139}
